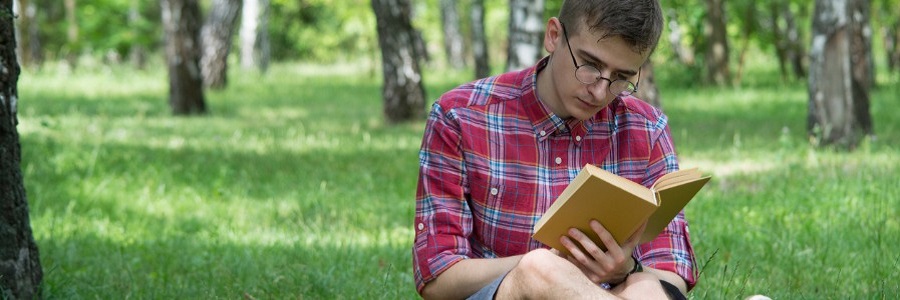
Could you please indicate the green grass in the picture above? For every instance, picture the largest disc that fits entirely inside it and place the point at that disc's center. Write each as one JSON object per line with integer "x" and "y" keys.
{"x": 293, "y": 187}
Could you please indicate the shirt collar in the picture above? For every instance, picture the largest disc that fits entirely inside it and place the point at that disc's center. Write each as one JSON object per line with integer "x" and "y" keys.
{"x": 545, "y": 122}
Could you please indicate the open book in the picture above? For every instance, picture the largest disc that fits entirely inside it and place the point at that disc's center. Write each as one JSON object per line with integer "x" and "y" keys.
{"x": 621, "y": 205}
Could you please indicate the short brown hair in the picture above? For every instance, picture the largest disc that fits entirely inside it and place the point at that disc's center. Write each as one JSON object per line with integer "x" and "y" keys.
{"x": 638, "y": 22}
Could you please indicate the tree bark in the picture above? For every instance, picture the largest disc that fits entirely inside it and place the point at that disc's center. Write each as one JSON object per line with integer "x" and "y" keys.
{"x": 861, "y": 43}
{"x": 526, "y": 31}
{"x": 20, "y": 266}
{"x": 479, "y": 40}
{"x": 181, "y": 21}
{"x": 216, "y": 42}
{"x": 453, "y": 40}
{"x": 838, "y": 99}
{"x": 716, "y": 43}
{"x": 255, "y": 48}
{"x": 647, "y": 89}
{"x": 403, "y": 93}
{"x": 861, "y": 60}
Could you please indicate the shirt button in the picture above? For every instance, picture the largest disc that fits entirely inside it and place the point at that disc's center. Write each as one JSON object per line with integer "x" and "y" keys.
{"x": 494, "y": 191}
{"x": 421, "y": 226}
{"x": 578, "y": 138}
{"x": 543, "y": 133}
{"x": 558, "y": 160}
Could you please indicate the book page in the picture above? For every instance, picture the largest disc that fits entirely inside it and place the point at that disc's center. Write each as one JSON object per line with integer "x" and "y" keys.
{"x": 672, "y": 201}
{"x": 676, "y": 178}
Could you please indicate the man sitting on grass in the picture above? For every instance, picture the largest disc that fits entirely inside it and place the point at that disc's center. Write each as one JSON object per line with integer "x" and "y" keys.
{"x": 498, "y": 151}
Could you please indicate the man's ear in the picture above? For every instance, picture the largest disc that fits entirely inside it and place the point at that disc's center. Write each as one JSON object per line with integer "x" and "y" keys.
{"x": 552, "y": 34}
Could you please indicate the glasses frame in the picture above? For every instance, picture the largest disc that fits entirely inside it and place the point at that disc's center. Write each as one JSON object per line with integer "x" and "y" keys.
{"x": 610, "y": 81}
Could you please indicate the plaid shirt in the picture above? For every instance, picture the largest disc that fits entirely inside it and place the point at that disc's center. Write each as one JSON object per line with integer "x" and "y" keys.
{"x": 494, "y": 158}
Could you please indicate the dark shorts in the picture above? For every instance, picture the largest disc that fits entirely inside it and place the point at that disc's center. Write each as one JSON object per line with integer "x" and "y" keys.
{"x": 488, "y": 291}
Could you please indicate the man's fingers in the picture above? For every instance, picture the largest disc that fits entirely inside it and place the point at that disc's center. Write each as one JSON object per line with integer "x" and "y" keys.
{"x": 608, "y": 240}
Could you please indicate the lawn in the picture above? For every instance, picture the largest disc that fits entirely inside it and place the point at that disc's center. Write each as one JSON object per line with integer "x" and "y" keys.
{"x": 294, "y": 187}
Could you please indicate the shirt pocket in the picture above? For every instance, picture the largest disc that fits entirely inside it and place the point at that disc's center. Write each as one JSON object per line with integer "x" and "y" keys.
{"x": 504, "y": 214}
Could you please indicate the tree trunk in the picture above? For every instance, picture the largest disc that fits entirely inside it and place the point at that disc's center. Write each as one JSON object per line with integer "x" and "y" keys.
{"x": 861, "y": 60}
{"x": 749, "y": 24}
{"x": 34, "y": 50}
{"x": 716, "y": 43}
{"x": 216, "y": 42}
{"x": 20, "y": 266}
{"x": 403, "y": 93}
{"x": 648, "y": 91}
{"x": 892, "y": 45}
{"x": 836, "y": 96}
{"x": 72, "y": 33}
{"x": 137, "y": 54}
{"x": 526, "y": 31}
{"x": 255, "y": 48}
{"x": 479, "y": 40}
{"x": 861, "y": 43}
{"x": 779, "y": 34}
{"x": 453, "y": 40}
{"x": 181, "y": 21}
{"x": 788, "y": 46}
{"x": 796, "y": 52}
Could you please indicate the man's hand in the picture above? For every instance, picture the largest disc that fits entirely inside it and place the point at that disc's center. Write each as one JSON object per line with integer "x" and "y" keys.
{"x": 599, "y": 266}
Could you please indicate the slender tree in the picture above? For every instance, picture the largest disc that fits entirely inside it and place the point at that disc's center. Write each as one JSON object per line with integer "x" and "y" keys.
{"x": 254, "y": 32}
{"x": 403, "y": 93}
{"x": 453, "y": 39}
{"x": 20, "y": 266}
{"x": 181, "y": 20}
{"x": 72, "y": 32}
{"x": 526, "y": 31}
{"x": 788, "y": 44}
{"x": 717, "y": 53}
{"x": 838, "y": 99}
{"x": 479, "y": 40}
{"x": 137, "y": 54}
{"x": 216, "y": 42}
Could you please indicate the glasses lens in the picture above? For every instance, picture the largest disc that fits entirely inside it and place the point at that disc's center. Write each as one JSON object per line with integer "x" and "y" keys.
{"x": 621, "y": 87}
{"x": 587, "y": 74}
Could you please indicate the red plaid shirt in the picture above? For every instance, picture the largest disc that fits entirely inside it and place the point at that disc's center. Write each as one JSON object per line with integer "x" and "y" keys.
{"x": 494, "y": 158}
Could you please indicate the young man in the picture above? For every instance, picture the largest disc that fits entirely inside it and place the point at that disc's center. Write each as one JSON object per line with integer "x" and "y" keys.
{"x": 498, "y": 151}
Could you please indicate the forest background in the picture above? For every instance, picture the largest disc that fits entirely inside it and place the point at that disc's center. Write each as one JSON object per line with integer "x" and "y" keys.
{"x": 293, "y": 184}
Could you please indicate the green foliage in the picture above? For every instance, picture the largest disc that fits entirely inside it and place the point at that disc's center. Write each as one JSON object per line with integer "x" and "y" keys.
{"x": 322, "y": 30}
{"x": 293, "y": 187}
{"x": 103, "y": 27}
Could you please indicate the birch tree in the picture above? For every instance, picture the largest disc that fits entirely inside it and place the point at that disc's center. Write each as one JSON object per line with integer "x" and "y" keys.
{"x": 20, "y": 266}
{"x": 526, "y": 30}
{"x": 838, "y": 94}
{"x": 402, "y": 92}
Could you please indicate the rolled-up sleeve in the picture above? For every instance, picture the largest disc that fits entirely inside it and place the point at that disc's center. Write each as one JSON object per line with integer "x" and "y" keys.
{"x": 443, "y": 218}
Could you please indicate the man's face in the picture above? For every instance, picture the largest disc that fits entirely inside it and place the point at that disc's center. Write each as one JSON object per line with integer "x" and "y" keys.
{"x": 612, "y": 56}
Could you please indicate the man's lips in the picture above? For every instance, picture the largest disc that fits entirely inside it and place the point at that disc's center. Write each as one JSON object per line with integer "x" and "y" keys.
{"x": 588, "y": 104}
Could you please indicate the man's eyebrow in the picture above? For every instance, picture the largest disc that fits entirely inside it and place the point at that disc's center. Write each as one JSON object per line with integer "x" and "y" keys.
{"x": 593, "y": 59}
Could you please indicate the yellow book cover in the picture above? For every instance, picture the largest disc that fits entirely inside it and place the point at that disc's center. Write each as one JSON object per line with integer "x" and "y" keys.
{"x": 621, "y": 205}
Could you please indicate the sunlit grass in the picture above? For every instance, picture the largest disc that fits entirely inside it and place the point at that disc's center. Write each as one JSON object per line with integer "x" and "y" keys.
{"x": 293, "y": 187}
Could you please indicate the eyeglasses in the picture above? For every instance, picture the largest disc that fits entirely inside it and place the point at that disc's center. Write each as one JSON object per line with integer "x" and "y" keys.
{"x": 588, "y": 74}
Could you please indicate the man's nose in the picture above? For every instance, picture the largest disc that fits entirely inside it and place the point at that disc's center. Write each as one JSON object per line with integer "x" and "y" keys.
{"x": 600, "y": 89}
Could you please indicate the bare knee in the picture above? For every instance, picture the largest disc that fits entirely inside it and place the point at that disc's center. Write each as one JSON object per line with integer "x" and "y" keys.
{"x": 541, "y": 267}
